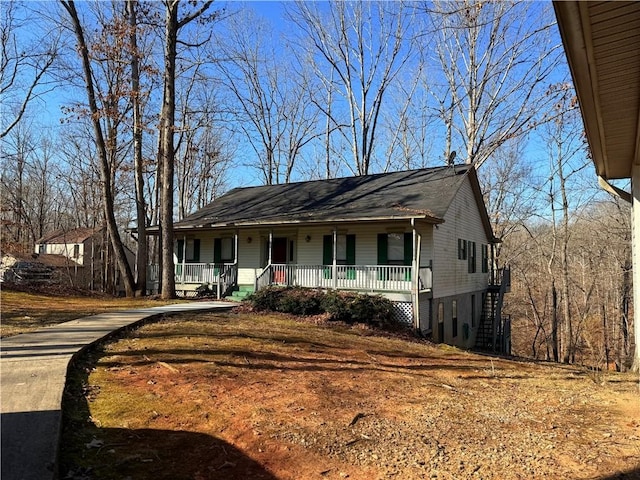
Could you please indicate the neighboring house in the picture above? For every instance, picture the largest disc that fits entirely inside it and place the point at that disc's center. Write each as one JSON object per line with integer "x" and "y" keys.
{"x": 85, "y": 254}
{"x": 79, "y": 245}
{"x": 421, "y": 238}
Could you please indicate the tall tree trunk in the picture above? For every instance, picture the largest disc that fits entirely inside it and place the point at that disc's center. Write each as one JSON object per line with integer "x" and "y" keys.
{"x": 105, "y": 167}
{"x": 567, "y": 334}
{"x": 141, "y": 206}
{"x": 555, "y": 341}
{"x": 623, "y": 349}
{"x": 166, "y": 156}
{"x": 166, "y": 150}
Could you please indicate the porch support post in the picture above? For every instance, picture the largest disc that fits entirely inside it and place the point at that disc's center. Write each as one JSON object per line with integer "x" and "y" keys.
{"x": 235, "y": 247}
{"x": 270, "y": 246}
{"x": 335, "y": 262}
{"x": 184, "y": 256}
{"x": 415, "y": 263}
{"x": 635, "y": 251}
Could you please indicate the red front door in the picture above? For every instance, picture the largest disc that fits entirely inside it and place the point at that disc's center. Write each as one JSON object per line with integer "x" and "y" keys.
{"x": 279, "y": 251}
{"x": 279, "y": 257}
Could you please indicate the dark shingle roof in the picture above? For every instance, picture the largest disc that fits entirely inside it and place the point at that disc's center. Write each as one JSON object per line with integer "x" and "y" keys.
{"x": 77, "y": 235}
{"x": 424, "y": 193}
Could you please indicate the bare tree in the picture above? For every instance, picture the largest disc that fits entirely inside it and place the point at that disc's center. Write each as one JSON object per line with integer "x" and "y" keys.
{"x": 510, "y": 193}
{"x": 360, "y": 48}
{"x": 270, "y": 95}
{"x": 29, "y": 196}
{"x": 23, "y": 65}
{"x": 495, "y": 58}
{"x": 202, "y": 150}
{"x": 105, "y": 152}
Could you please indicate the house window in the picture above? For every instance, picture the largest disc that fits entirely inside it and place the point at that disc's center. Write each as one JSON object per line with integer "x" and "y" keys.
{"x": 76, "y": 251}
{"x": 462, "y": 249}
{"x": 191, "y": 250}
{"x": 345, "y": 254}
{"x": 223, "y": 250}
{"x": 454, "y": 318}
{"x": 42, "y": 248}
{"x": 471, "y": 254}
{"x": 345, "y": 249}
{"x": 485, "y": 258}
{"x": 341, "y": 249}
{"x": 226, "y": 250}
{"x": 395, "y": 248}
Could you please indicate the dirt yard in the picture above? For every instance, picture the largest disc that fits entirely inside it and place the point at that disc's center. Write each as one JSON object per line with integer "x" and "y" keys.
{"x": 242, "y": 396}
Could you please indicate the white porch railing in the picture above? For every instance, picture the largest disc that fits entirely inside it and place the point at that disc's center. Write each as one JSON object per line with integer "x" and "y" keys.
{"x": 372, "y": 278}
{"x": 223, "y": 274}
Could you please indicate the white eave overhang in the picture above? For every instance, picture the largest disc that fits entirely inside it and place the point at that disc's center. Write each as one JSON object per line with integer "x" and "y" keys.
{"x": 602, "y": 44}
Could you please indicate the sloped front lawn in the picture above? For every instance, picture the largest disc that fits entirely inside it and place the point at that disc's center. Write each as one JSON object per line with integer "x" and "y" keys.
{"x": 243, "y": 396}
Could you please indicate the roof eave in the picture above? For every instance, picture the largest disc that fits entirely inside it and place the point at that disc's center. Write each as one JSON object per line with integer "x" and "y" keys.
{"x": 574, "y": 31}
{"x": 288, "y": 222}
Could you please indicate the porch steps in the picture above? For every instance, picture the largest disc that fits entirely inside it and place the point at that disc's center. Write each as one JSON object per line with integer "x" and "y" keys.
{"x": 241, "y": 292}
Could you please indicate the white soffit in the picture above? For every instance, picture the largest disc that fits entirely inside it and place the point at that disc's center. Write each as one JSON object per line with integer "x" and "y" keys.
{"x": 602, "y": 43}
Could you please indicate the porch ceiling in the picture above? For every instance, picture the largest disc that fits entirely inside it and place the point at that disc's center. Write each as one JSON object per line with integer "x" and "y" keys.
{"x": 602, "y": 44}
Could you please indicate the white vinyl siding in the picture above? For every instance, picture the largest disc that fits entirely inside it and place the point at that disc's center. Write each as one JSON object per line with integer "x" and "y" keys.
{"x": 462, "y": 221}
{"x": 249, "y": 256}
{"x": 310, "y": 253}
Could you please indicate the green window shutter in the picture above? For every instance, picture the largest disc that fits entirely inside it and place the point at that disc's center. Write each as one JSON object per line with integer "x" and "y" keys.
{"x": 383, "y": 253}
{"x": 180, "y": 250}
{"x": 471, "y": 253}
{"x": 408, "y": 248}
{"x": 383, "y": 249}
{"x": 351, "y": 256}
{"x": 485, "y": 258}
{"x": 196, "y": 250}
{"x": 408, "y": 253}
{"x": 327, "y": 250}
{"x": 351, "y": 249}
{"x": 217, "y": 250}
{"x": 327, "y": 254}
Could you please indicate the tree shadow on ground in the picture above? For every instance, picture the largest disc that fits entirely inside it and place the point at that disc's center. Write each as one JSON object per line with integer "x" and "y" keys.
{"x": 627, "y": 475}
{"x": 119, "y": 453}
{"x": 89, "y": 451}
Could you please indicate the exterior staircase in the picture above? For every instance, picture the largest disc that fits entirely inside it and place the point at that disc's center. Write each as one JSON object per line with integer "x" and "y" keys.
{"x": 494, "y": 330}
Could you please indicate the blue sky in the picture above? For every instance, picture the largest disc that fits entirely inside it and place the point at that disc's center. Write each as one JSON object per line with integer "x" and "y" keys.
{"x": 47, "y": 109}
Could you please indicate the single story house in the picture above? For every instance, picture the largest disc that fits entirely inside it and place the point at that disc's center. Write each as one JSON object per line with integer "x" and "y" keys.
{"x": 421, "y": 238}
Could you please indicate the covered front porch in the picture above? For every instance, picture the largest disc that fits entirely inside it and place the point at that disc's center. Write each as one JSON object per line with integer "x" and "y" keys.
{"x": 370, "y": 257}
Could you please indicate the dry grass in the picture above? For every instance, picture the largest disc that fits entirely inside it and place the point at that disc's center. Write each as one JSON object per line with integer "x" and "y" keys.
{"x": 237, "y": 396}
{"x": 23, "y": 312}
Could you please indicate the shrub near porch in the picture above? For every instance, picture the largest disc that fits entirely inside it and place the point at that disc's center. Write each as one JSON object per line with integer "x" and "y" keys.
{"x": 344, "y": 306}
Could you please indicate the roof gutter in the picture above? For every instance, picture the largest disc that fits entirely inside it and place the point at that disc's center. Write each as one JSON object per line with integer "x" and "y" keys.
{"x": 327, "y": 221}
{"x": 613, "y": 190}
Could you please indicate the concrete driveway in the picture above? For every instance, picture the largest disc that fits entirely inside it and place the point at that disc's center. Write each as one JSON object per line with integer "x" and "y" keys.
{"x": 33, "y": 371}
